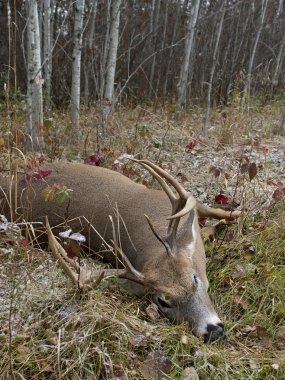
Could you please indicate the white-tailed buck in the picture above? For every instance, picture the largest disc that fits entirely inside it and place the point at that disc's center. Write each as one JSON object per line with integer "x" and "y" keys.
{"x": 167, "y": 262}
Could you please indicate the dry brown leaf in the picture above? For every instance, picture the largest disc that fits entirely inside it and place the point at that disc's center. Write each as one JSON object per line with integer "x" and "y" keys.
{"x": 51, "y": 338}
{"x": 22, "y": 353}
{"x": 138, "y": 340}
{"x": 252, "y": 170}
{"x": 240, "y": 272}
{"x": 156, "y": 366}
{"x": 190, "y": 373}
{"x": 261, "y": 331}
{"x": 152, "y": 312}
{"x": 239, "y": 300}
{"x": 184, "y": 339}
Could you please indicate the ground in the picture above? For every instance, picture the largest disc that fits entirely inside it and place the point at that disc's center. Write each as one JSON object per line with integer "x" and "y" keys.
{"x": 50, "y": 331}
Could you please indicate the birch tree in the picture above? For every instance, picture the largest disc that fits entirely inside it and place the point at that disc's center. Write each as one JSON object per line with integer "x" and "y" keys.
{"x": 246, "y": 91}
{"x": 76, "y": 65}
{"x": 156, "y": 5}
{"x": 213, "y": 68}
{"x": 113, "y": 49}
{"x": 34, "y": 87}
{"x": 89, "y": 51}
{"x": 47, "y": 54}
{"x": 191, "y": 24}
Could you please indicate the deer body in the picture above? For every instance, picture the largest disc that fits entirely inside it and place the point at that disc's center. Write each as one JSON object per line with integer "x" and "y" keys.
{"x": 170, "y": 262}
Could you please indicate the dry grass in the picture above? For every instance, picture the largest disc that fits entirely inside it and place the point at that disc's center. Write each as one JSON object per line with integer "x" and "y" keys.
{"x": 49, "y": 331}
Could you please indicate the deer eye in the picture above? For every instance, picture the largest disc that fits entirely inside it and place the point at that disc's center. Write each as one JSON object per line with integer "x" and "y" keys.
{"x": 163, "y": 302}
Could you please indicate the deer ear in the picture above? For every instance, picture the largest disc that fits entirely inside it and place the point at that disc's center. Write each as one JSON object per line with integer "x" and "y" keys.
{"x": 190, "y": 242}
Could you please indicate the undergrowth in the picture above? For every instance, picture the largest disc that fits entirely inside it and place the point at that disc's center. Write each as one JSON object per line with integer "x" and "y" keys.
{"x": 50, "y": 331}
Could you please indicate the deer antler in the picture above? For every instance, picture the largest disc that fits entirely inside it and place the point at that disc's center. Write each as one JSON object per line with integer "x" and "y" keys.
{"x": 84, "y": 278}
{"x": 182, "y": 204}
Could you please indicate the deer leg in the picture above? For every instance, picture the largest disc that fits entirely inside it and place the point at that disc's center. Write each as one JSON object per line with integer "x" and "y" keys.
{"x": 217, "y": 213}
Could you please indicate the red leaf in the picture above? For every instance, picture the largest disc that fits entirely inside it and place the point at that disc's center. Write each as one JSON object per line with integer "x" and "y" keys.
{"x": 278, "y": 184}
{"x": 221, "y": 199}
{"x": 41, "y": 174}
{"x": 192, "y": 145}
{"x": 252, "y": 170}
{"x": 23, "y": 241}
{"x": 278, "y": 194}
{"x": 94, "y": 159}
{"x": 202, "y": 221}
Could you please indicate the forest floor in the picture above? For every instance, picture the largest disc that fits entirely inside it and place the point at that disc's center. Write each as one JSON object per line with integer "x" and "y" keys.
{"x": 50, "y": 331}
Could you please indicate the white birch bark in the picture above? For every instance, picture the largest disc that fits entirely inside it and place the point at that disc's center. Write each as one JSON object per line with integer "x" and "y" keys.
{"x": 173, "y": 38}
{"x": 103, "y": 63}
{"x": 279, "y": 60}
{"x": 153, "y": 64}
{"x": 280, "y": 8}
{"x": 35, "y": 81}
{"x": 192, "y": 21}
{"x": 47, "y": 55}
{"x": 163, "y": 40}
{"x": 246, "y": 91}
{"x": 89, "y": 51}
{"x": 112, "y": 51}
{"x": 213, "y": 68}
{"x": 76, "y": 66}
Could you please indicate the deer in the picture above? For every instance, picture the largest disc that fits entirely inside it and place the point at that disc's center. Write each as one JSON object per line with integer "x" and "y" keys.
{"x": 150, "y": 237}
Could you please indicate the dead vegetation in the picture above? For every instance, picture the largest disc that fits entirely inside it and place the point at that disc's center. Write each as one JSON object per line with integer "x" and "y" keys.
{"x": 50, "y": 331}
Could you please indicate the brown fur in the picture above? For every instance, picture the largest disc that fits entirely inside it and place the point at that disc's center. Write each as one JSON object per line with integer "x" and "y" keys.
{"x": 98, "y": 193}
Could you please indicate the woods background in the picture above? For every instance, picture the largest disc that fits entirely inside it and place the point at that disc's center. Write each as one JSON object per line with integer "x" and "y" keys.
{"x": 166, "y": 50}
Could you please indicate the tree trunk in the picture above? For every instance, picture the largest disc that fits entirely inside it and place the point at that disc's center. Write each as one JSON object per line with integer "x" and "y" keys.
{"x": 76, "y": 66}
{"x": 213, "y": 68}
{"x": 34, "y": 91}
{"x": 246, "y": 91}
{"x": 47, "y": 55}
{"x": 89, "y": 52}
{"x": 112, "y": 51}
{"x": 192, "y": 21}
{"x": 173, "y": 38}
{"x": 153, "y": 64}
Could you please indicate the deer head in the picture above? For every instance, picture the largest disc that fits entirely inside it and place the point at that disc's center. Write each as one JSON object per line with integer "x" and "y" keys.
{"x": 177, "y": 277}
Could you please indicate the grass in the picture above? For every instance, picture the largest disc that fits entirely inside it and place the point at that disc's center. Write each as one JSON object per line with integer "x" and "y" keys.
{"x": 49, "y": 331}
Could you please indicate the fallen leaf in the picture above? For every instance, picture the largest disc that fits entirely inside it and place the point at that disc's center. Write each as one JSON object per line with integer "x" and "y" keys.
{"x": 261, "y": 331}
{"x": 253, "y": 364}
{"x": 152, "y": 312}
{"x": 184, "y": 339}
{"x": 241, "y": 301}
{"x": 244, "y": 168}
{"x": 138, "y": 340}
{"x": 156, "y": 366}
{"x": 132, "y": 359}
{"x": 252, "y": 171}
{"x": 221, "y": 199}
{"x": 51, "y": 338}
{"x": 215, "y": 171}
{"x": 73, "y": 249}
{"x": 240, "y": 272}
{"x": 190, "y": 373}
{"x": 248, "y": 329}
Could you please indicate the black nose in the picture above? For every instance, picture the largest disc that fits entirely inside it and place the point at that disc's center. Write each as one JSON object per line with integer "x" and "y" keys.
{"x": 214, "y": 332}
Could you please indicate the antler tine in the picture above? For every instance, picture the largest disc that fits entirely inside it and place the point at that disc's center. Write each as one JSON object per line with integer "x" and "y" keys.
{"x": 87, "y": 279}
{"x": 180, "y": 189}
{"x": 162, "y": 183}
{"x": 190, "y": 204}
{"x": 168, "y": 248}
{"x": 138, "y": 276}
